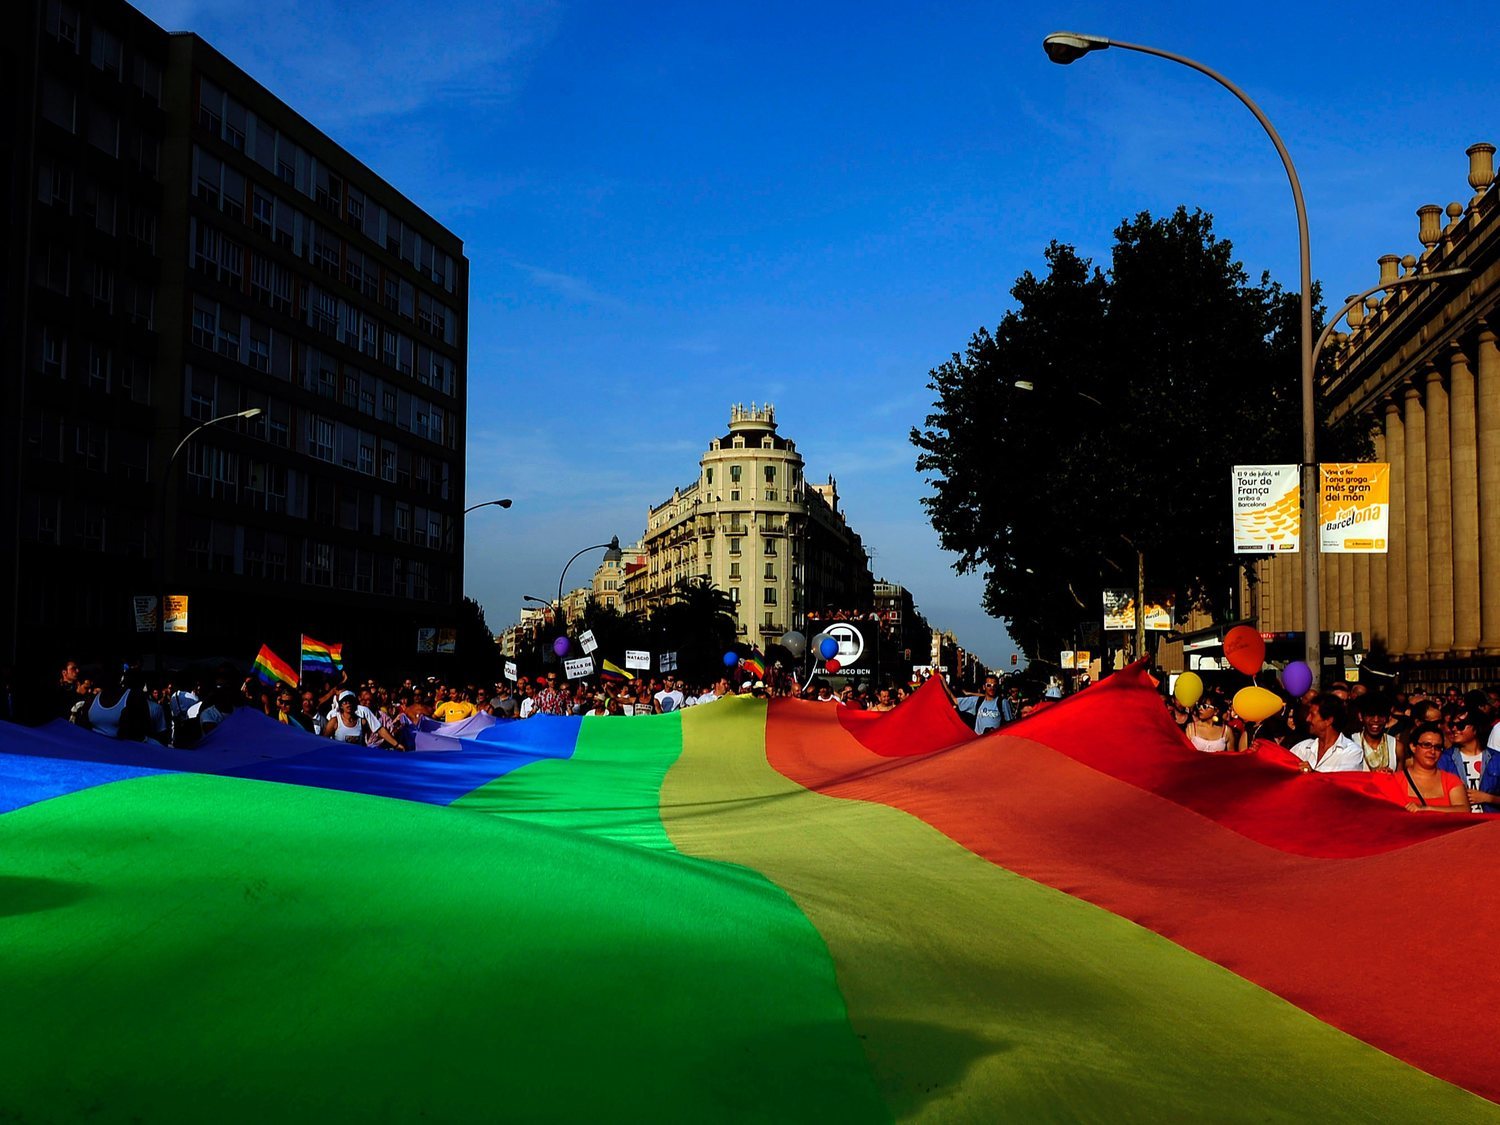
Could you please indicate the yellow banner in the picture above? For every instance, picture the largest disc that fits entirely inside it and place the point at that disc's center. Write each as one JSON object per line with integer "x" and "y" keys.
{"x": 1354, "y": 504}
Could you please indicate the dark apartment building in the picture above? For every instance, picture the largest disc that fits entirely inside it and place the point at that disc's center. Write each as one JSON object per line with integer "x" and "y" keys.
{"x": 184, "y": 247}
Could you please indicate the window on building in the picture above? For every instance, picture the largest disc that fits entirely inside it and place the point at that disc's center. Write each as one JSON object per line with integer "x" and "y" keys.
{"x": 322, "y": 439}
{"x": 770, "y": 572}
{"x": 62, "y": 23}
{"x": 59, "y": 104}
{"x": 734, "y": 570}
{"x": 734, "y": 474}
{"x": 769, "y": 546}
{"x": 734, "y": 546}
{"x": 770, "y": 596}
{"x": 388, "y": 465}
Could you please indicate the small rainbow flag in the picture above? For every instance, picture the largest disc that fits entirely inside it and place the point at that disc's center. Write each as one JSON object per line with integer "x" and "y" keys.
{"x": 320, "y": 657}
{"x": 755, "y": 664}
{"x": 272, "y": 669}
{"x": 613, "y": 673}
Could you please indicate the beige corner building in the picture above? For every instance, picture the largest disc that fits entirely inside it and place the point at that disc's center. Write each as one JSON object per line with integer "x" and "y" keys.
{"x": 756, "y": 528}
{"x": 1421, "y": 364}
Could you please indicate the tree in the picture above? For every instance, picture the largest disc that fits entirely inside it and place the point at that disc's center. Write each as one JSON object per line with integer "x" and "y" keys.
{"x": 477, "y": 660}
{"x": 1148, "y": 383}
{"x": 697, "y": 621}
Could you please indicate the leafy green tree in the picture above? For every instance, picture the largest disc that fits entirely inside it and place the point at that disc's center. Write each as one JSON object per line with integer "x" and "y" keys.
{"x": 1147, "y": 383}
{"x": 697, "y": 620}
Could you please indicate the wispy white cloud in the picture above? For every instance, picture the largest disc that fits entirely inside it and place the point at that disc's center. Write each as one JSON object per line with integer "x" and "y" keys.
{"x": 341, "y": 64}
{"x": 568, "y": 286}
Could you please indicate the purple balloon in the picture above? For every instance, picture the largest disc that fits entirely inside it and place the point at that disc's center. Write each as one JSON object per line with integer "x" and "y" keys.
{"x": 1296, "y": 677}
{"x": 560, "y": 646}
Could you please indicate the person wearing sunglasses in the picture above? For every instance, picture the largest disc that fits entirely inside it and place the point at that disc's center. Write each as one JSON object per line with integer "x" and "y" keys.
{"x": 1429, "y": 789}
{"x": 1473, "y": 763}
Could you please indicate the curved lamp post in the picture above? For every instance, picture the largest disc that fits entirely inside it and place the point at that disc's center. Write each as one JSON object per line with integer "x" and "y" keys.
{"x": 488, "y": 503}
{"x": 161, "y": 524}
{"x": 611, "y": 554}
{"x": 1064, "y": 47}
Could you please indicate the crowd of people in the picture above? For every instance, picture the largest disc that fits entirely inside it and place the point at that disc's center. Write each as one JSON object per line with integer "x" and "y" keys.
{"x": 1444, "y": 751}
{"x": 1441, "y": 753}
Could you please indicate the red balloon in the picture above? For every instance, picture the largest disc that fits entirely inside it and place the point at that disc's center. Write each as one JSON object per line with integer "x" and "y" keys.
{"x": 833, "y": 665}
{"x": 1244, "y": 649}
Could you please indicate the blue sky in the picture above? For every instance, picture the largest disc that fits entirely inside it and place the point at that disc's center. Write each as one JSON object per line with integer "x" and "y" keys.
{"x": 670, "y": 207}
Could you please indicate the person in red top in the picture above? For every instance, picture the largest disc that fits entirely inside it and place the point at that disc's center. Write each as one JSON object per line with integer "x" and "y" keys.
{"x": 1428, "y": 788}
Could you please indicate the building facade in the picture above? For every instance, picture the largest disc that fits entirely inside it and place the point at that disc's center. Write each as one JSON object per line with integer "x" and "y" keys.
{"x": 754, "y": 527}
{"x": 198, "y": 249}
{"x": 1422, "y": 366}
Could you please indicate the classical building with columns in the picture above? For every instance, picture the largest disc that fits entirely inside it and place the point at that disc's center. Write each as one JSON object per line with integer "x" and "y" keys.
{"x": 1422, "y": 365}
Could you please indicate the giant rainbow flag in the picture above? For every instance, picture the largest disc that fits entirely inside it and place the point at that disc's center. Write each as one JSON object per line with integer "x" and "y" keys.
{"x": 792, "y": 912}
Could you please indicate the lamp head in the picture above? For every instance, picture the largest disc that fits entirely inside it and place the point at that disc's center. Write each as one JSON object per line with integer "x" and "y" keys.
{"x": 253, "y": 412}
{"x": 614, "y": 554}
{"x": 1024, "y": 385}
{"x": 504, "y": 503}
{"x": 1063, "y": 47}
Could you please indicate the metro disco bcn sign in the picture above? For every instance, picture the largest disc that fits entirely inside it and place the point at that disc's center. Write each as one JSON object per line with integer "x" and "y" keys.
{"x": 856, "y": 658}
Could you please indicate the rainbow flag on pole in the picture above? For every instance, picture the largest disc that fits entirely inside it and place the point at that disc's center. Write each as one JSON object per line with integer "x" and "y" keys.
{"x": 272, "y": 669}
{"x": 320, "y": 657}
{"x": 755, "y": 664}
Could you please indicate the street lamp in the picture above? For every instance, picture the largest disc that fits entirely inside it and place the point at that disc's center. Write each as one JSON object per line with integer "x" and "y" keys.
{"x": 487, "y": 503}
{"x": 1027, "y": 385}
{"x": 1064, "y": 47}
{"x": 161, "y": 525}
{"x": 612, "y": 554}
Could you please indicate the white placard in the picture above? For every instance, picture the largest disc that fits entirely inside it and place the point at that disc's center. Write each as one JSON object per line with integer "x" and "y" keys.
{"x": 586, "y": 639}
{"x": 1267, "y": 503}
{"x": 510, "y": 671}
{"x": 636, "y": 658}
{"x": 667, "y": 662}
{"x": 145, "y": 613}
{"x": 579, "y": 668}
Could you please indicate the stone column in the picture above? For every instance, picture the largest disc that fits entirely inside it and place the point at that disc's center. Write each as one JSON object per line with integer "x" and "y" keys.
{"x": 1487, "y": 444}
{"x": 1378, "y": 611}
{"x": 1417, "y": 622}
{"x": 1439, "y": 518}
{"x": 1359, "y": 578}
{"x": 1464, "y": 472}
{"x": 1346, "y": 592}
{"x": 1397, "y": 615}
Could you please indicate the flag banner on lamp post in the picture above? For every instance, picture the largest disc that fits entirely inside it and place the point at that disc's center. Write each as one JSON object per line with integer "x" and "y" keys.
{"x": 176, "y": 619}
{"x": 1267, "y": 509}
{"x": 1119, "y": 613}
{"x": 1354, "y": 507}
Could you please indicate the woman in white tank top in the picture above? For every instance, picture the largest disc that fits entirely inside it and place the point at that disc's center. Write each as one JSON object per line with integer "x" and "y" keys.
{"x": 345, "y": 725}
{"x": 1207, "y": 731}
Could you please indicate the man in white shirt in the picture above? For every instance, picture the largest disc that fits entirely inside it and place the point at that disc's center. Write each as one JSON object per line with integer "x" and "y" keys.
{"x": 715, "y": 693}
{"x": 1327, "y": 751}
{"x": 669, "y": 698}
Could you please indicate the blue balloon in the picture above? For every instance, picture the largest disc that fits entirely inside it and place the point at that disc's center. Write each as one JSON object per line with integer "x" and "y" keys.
{"x": 731, "y": 659}
{"x": 828, "y": 649}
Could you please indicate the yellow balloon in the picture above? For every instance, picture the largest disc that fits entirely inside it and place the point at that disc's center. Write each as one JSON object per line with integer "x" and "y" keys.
{"x": 1256, "y": 703}
{"x": 1188, "y": 689}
